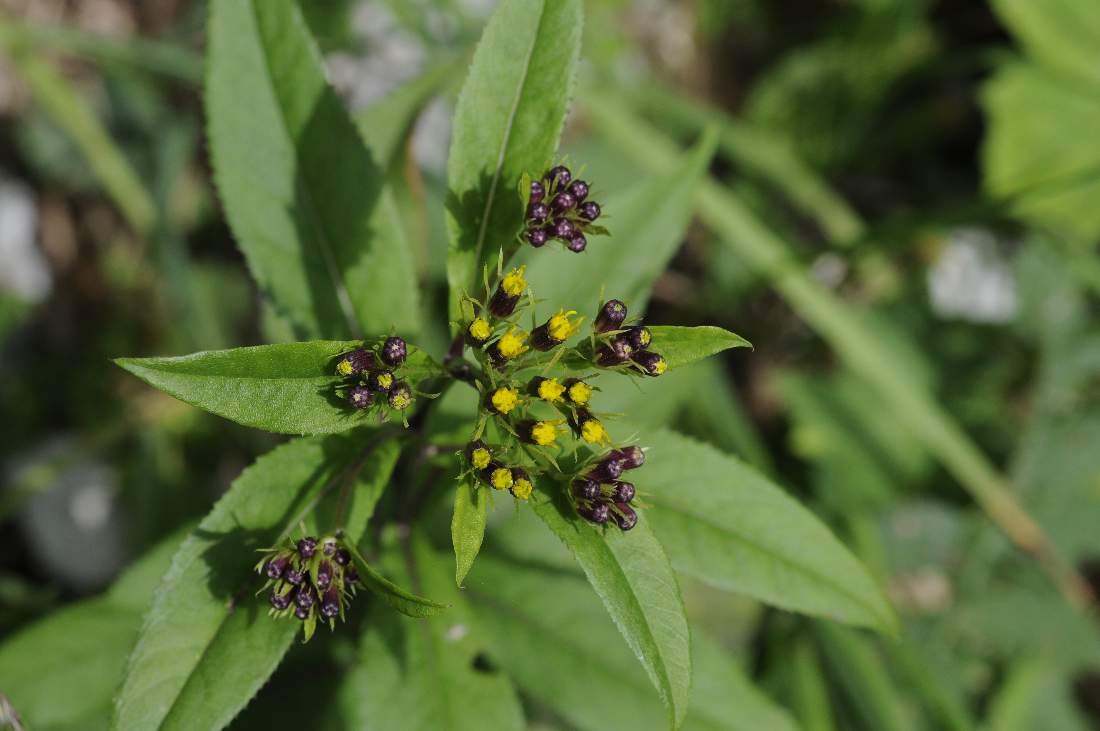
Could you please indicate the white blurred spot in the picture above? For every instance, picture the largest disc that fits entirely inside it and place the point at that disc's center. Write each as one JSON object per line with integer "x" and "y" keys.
{"x": 25, "y": 272}
{"x": 90, "y": 506}
{"x": 829, "y": 269}
{"x": 971, "y": 281}
{"x": 456, "y": 632}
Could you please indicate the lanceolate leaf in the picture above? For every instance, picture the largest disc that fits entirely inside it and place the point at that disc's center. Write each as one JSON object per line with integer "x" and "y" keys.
{"x": 299, "y": 187}
{"x": 289, "y": 388}
{"x": 632, "y": 575}
{"x": 724, "y": 523}
{"x": 507, "y": 123}
{"x": 207, "y": 644}
{"x": 683, "y": 345}
{"x": 400, "y": 599}
{"x": 468, "y": 525}
{"x": 424, "y": 674}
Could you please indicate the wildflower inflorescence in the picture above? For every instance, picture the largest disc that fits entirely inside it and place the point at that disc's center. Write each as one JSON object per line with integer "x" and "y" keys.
{"x": 312, "y": 579}
{"x": 558, "y": 208}
{"x": 372, "y": 377}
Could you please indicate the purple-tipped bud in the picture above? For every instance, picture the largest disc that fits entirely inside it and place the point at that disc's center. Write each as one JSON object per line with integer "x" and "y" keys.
{"x": 401, "y": 396}
{"x": 280, "y": 601}
{"x": 537, "y": 237}
{"x": 614, "y": 353}
{"x": 577, "y": 244}
{"x": 579, "y": 190}
{"x": 590, "y": 210}
{"x": 541, "y": 339}
{"x": 330, "y": 603}
{"x": 342, "y": 557}
{"x": 295, "y": 576}
{"x": 586, "y": 488}
{"x": 623, "y": 492}
{"x": 639, "y": 337}
{"x": 381, "y": 380}
{"x": 537, "y": 192}
{"x": 610, "y": 317}
{"x": 559, "y": 175}
{"x": 598, "y": 513}
{"x": 562, "y": 202}
{"x": 537, "y": 212}
{"x": 606, "y": 470}
{"x": 394, "y": 351}
{"x": 302, "y": 613}
{"x": 361, "y": 397}
{"x": 625, "y": 516}
{"x": 631, "y": 457}
{"x": 324, "y": 575}
{"x": 356, "y": 362}
{"x": 503, "y": 304}
{"x": 653, "y": 364}
{"x": 307, "y": 547}
{"x": 564, "y": 229}
{"x": 276, "y": 566}
{"x": 305, "y": 597}
{"x": 351, "y": 576}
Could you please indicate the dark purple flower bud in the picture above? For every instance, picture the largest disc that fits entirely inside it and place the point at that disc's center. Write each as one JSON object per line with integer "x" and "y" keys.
{"x": 537, "y": 212}
{"x": 615, "y": 352}
{"x": 328, "y": 546}
{"x": 639, "y": 337}
{"x": 540, "y": 339}
{"x": 653, "y": 364}
{"x": 351, "y": 576}
{"x": 324, "y": 575}
{"x": 586, "y": 488}
{"x": 562, "y": 202}
{"x": 598, "y": 513}
{"x": 302, "y": 613}
{"x": 276, "y": 566}
{"x": 579, "y": 190}
{"x": 342, "y": 557}
{"x": 537, "y": 237}
{"x": 330, "y": 603}
{"x": 559, "y": 176}
{"x": 623, "y": 493}
{"x": 361, "y": 397}
{"x": 381, "y": 380}
{"x": 577, "y": 244}
{"x": 537, "y": 192}
{"x": 401, "y": 396}
{"x": 590, "y": 210}
{"x": 294, "y": 576}
{"x": 606, "y": 470}
{"x": 610, "y": 316}
{"x": 631, "y": 457}
{"x": 280, "y": 601}
{"x": 564, "y": 229}
{"x": 625, "y": 516}
{"x": 356, "y": 362}
{"x": 304, "y": 597}
{"x": 394, "y": 351}
{"x": 307, "y": 547}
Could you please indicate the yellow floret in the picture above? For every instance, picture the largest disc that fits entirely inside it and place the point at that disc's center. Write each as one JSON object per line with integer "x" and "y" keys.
{"x": 660, "y": 366}
{"x": 512, "y": 344}
{"x": 501, "y": 478}
{"x": 522, "y": 488}
{"x": 401, "y": 401}
{"x": 480, "y": 458}
{"x": 344, "y": 367}
{"x": 550, "y": 390}
{"x": 385, "y": 380}
{"x": 645, "y": 336}
{"x": 480, "y": 330}
{"x": 592, "y": 431}
{"x": 504, "y": 399}
{"x": 543, "y": 433}
{"x": 513, "y": 283}
{"x": 580, "y": 392}
{"x": 561, "y": 327}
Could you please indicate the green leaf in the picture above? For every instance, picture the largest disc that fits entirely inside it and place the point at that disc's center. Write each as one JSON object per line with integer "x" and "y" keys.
{"x": 727, "y": 525}
{"x": 207, "y": 644}
{"x": 400, "y": 599}
{"x": 425, "y": 674}
{"x": 853, "y": 663}
{"x": 1061, "y": 34}
{"x": 507, "y": 122}
{"x": 299, "y": 187}
{"x": 632, "y": 575}
{"x": 683, "y": 345}
{"x": 550, "y": 634}
{"x": 652, "y": 216}
{"x": 287, "y": 388}
{"x": 63, "y": 670}
{"x": 468, "y": 525}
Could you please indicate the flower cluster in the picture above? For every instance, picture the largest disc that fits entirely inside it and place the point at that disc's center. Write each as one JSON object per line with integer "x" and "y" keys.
{"x": 312, "y": 579}
{"x": 599, "y": 494}
{"x": 625, "y": 346}
{"x": 557, "y": 208}
{"x": 373, "y": 377}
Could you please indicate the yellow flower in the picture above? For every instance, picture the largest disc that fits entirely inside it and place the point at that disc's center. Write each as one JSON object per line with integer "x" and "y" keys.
{"x": 384, "y": 380}
{"x": 592, "y": 431}
{"x": 645, "y": 337}
{"x": 480, "y": 330}
{"x": 561, "y": 327}
{"x": 480, "y": 458}
{"x": 501, "y": 478}
{"x": 660, "y": 366}
{"x": 512, "y": 344}
{"x": 344, "y": 367}
{"x": 550, "y": 390}
{"x": 543, "y": 433}
{"x": 579, "y": 393}
{"x": 504, "y": 399}
{"x": 513, "y": 283}
{"x": 401, "y": 400}
{"x": 522, "y": 487}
